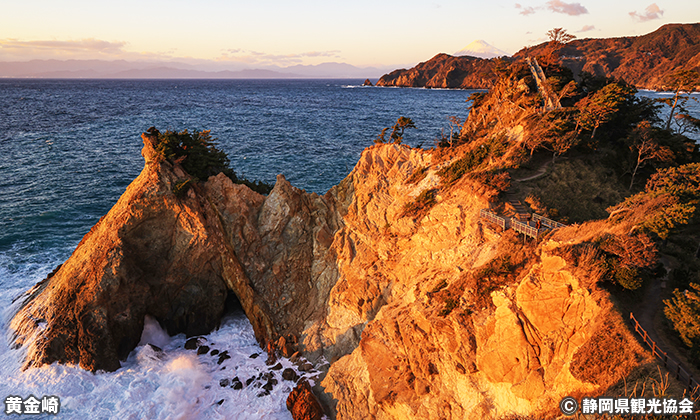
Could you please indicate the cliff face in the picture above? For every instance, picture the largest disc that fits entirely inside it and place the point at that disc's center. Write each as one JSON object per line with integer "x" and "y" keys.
{"x": 446, "y": 342}
{"x": 417, "y": 314}
{"x": 444, "y": 71}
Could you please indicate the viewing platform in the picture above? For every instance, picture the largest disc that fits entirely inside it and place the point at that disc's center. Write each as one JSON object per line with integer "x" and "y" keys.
{"x": 529, "y": 224}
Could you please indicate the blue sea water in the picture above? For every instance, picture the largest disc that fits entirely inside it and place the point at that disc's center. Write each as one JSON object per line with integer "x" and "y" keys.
{"x": 69, "y": 148}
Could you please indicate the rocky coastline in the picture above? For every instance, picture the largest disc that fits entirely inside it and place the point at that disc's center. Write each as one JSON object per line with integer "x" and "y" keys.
{"x": 387, "y": 297}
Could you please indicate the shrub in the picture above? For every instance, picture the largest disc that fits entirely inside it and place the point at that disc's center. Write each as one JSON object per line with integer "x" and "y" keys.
{"x": 196, "y": 152}
{"x": 424, "y": 202}
{"x": 450, "y": 305}
{"x": 683, "y": 310}
{"x": 578, "y": 191}
{"x": 468, "y": 162}
{"x": 498, "y": 180}
{"x": 628, "y": 277}
{"x": 627, "y": 259}
{"x": 418, "y": 175}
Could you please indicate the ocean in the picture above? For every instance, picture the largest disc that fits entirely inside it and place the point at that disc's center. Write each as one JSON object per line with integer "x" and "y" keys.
{"x": 69, "y": 148}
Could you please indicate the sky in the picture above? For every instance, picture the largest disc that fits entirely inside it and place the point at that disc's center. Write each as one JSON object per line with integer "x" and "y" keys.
{"x": 253, "y": 34}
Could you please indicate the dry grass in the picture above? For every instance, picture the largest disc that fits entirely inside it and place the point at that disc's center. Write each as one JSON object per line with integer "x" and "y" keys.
{"x": 614, "y": 343}
{"x": 574, "y": 191}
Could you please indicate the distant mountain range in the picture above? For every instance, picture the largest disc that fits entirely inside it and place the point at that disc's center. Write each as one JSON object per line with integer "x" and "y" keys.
{"x": 642, "y": 61}
{"x": 121, "y": 69}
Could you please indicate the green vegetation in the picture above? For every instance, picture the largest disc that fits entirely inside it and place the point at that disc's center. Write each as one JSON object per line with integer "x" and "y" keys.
{"x": 470, "y": 161}
{"x": 450, "y": 305}
{"x": 576, "y": 191}
{"x": 683, "y": 310}
{"x": 418, "y": 175}
{"x": 396, "y": 131}
{"x": 196, "y": 152}
{"x": 627, "y": 260}
{"x": 423, "y": 202}
{"x": 669, "y": 200}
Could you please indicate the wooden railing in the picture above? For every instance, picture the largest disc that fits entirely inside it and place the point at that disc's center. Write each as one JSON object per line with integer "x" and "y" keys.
{"x": 524, "y": 228}
{"x": 521, "y": 227}
{"x": 552, "y": 224}
{"x": 493, "y": 218}
{"x": 673, "y": 366}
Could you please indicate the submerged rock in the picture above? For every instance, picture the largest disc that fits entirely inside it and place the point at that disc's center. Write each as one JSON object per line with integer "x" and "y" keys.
{"x": 222, "y": 357}
{"x": 289, "y": 375}
{"x": 192, "y": 343}
{"x": 236, "y": 383}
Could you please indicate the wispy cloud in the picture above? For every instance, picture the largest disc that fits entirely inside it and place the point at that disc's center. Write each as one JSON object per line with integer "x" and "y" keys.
{"x": 571, "y": 9}
{"x": 265, "y": 59}
{"x": 90, "y": 49}
{"x": 650, "y": 13}
{"x": 556, "y": 6}
{"x": 54, "y": 47}
{"x": 587, "y": 28}
{"x": 525, "y": 10}
{"x": 84, "y": 49}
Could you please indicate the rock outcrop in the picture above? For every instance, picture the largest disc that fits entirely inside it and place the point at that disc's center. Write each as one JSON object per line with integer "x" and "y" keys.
{"x": 413, "y": 312}
{"x": 302, "y": 403}
{"x": 152, "y": 254}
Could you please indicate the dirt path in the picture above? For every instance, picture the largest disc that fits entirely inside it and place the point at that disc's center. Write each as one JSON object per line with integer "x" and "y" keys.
{"x": 540, "y": 172}
{"x": 649, "y": 312}
{"x": 645, "y": 311}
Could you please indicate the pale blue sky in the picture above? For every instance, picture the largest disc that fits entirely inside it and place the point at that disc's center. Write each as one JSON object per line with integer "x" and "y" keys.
{"x": 265, "y": 32}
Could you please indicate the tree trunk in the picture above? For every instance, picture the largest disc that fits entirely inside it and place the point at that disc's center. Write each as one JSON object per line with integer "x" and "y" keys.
{"x": 673, "y": 108}
{"x": 595, "y": 127}
{"x": 633, "y": 174}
